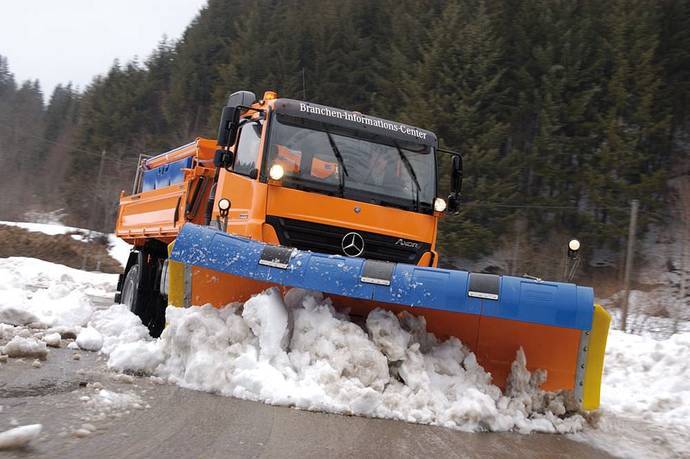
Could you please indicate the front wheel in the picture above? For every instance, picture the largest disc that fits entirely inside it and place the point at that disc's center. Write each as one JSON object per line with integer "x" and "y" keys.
{"x": 141, "y": 295}
{"x": 129, "y": 288}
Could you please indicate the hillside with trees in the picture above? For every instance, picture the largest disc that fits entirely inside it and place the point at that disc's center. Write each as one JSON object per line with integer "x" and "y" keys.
{"x": 564, "y": 111}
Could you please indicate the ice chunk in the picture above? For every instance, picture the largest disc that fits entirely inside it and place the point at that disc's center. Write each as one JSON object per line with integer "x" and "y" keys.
{"x": 26, "y": 347}
{"x": 19, "y": 436}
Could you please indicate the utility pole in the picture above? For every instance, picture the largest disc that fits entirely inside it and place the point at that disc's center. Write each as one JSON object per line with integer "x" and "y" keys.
{"x": 684, "y": 239}
{"x": 93, "y": 208}
{"x": 628, "y": 262}
{"x": 304, "y": 86}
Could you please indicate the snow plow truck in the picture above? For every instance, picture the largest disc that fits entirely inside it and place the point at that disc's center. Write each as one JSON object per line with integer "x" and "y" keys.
{"x": 296, "y": 194}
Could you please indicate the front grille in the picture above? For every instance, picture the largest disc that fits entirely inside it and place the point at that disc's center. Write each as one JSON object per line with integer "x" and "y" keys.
{"x": 316, "y": 237}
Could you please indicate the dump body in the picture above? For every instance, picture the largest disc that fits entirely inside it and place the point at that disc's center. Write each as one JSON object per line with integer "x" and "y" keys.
{"x": 339, "y": 220}
{"x": 165, "y": 201}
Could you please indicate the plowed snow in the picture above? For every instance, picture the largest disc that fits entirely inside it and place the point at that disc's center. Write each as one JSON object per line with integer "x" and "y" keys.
{"x": 298, "y": 351}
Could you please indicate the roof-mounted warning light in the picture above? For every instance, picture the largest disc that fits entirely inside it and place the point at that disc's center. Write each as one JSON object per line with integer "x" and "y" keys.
{"x": 270, "y": 95}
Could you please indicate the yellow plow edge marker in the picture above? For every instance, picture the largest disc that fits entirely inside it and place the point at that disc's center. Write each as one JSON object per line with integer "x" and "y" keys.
{"x": 594, "y": 364}
{"x": 175, "y": 280}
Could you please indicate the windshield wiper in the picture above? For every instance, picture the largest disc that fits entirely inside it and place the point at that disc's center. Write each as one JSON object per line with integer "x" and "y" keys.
{"x": 339, "y": 157}
{"x": 410, "y": 170}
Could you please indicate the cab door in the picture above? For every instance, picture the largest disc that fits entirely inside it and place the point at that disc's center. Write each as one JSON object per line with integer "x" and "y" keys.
{"x": 241, "y": 185}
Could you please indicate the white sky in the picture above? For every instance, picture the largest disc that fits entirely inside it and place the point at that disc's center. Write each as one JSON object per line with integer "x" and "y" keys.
{"x": 58, "y": 41}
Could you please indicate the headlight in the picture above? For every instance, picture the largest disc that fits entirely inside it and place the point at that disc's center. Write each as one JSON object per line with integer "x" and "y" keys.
{"x": 276, "y": 172}
{"x": 574, "y": 245}
{"x": 439, "y": 205}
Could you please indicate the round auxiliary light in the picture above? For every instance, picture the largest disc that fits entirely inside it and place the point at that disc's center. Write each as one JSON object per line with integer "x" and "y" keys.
{"x": 276, "y": 172}
{"x": 574, "y": 245}
{"x": 224, "y": 204}
{"x": 439, "y": 205}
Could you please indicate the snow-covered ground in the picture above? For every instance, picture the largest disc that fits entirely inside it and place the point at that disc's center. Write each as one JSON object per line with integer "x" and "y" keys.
{"x": 297, "y": 351}
{"x": 118, "y": 249}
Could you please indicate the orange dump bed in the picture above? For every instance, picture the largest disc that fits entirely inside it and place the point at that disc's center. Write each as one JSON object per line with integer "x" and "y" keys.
{"x": 159, "y": 211}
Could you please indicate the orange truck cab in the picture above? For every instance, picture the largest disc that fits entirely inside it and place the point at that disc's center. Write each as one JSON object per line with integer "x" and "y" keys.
{"x": 292, "y": 173}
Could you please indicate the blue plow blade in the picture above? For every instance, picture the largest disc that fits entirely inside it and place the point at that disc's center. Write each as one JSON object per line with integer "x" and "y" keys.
{"x": 506, "y": 297}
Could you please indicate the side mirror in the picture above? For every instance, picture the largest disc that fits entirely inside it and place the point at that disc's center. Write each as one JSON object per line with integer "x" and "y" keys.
{"x": 229, "y": 119}
{"x": 223, "y": 158}
{"x": 227, "y": 129}
{"x": 455, "y": 183}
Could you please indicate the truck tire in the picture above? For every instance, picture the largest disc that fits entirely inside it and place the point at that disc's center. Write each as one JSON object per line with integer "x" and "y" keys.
{"x": 140, "y": 293}
{"x": 129, "y": 288}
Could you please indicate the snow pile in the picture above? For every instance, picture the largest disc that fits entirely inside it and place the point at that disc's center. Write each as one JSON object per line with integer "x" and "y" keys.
{"x": 38, "y": 291}
{"x": 645, "y": 378}
{"x": 324, "y": 362}
{"x": 19, "y": 436}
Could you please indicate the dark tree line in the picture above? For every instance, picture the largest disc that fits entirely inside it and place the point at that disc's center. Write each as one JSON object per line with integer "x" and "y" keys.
{"x": 564, "y": 110}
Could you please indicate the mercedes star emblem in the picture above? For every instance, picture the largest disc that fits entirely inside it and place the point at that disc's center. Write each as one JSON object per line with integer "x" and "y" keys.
{"x": 353, "y": 244}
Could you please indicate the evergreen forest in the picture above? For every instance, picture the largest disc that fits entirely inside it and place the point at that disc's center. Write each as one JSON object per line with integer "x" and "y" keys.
{"x": 564, "y": 110}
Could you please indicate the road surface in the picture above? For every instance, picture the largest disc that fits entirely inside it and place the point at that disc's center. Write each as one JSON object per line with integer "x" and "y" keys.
{"x": 185, "y": 423}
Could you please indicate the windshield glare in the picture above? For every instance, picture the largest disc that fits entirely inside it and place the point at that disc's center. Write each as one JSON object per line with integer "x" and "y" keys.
{"x": 353, "y": 168}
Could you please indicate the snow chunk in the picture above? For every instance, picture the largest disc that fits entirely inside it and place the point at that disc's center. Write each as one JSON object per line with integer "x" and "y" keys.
{"x": 52, "y": 339}
{"x": 108, "y": 401}
{"x": 89, "y": 339}
{"x": 268, "y": 319}
{"x": 26, "y": 347}
{"x": 19, "y": 436}
{"x": 139, "y": 357}
{"x": 384, "y": 329}
{"x": 117, "y": 325}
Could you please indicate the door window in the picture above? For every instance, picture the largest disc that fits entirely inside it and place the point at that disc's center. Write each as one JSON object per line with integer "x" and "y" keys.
{"x": 248, "y": 148}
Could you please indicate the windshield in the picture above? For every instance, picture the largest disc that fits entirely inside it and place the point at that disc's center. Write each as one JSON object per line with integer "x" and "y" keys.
{"x": 358, "y": 169}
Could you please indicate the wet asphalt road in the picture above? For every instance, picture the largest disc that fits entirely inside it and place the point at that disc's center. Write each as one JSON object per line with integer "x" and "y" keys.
{"x": 184, "y": 423}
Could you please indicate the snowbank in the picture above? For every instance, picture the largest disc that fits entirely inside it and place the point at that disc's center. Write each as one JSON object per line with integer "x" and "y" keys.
{"x": 54, "y": 294}
{"x": 648, "y": 379}
{"x": 645, "y": 398}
